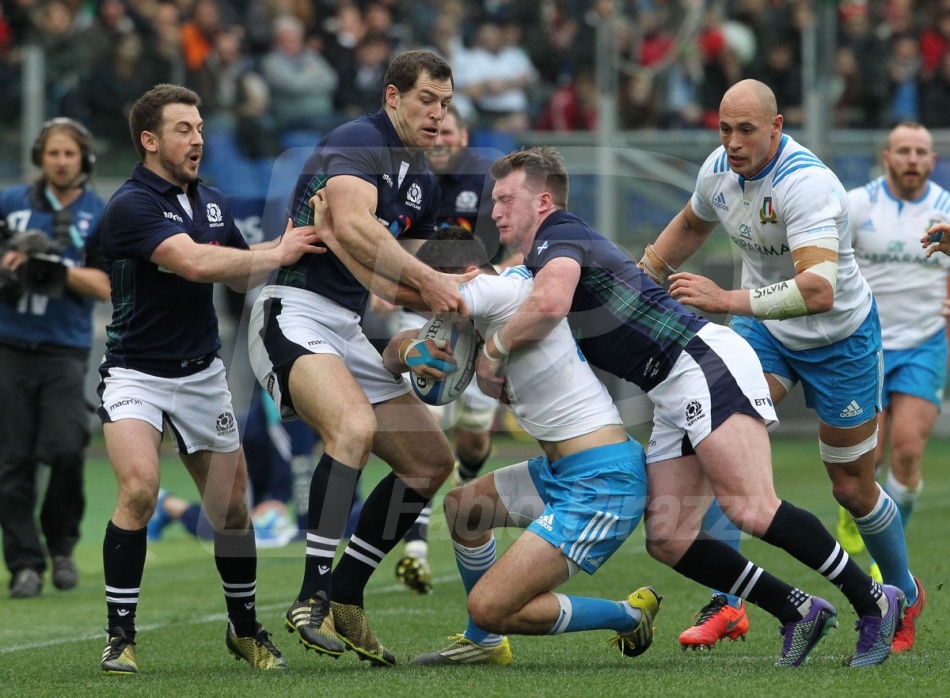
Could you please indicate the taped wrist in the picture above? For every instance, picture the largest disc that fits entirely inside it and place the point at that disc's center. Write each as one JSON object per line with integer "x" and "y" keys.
{"x": 655, "y": 266}
{"x": 779, "y": 301}
{"x": 424, "y": 358}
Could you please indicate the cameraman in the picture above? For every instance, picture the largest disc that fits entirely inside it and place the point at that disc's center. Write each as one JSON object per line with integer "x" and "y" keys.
{"x": 51, "y": 274}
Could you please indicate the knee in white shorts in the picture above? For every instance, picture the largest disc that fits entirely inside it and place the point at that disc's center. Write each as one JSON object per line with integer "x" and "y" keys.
{"x": 847, "y": 454}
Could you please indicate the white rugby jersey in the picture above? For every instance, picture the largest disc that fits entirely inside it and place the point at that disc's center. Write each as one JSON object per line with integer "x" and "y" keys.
{"x": 909, "y": 288}
{"x": 795, "y": 199}
{"x": 553, "y": 391}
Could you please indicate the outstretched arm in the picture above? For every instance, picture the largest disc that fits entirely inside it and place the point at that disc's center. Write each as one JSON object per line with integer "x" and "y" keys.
{"x": 353, "y": 205}
{"x": 239, "y": 269}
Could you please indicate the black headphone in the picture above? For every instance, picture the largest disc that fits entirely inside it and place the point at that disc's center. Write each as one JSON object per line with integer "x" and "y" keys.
{"x": 80, "y": 132}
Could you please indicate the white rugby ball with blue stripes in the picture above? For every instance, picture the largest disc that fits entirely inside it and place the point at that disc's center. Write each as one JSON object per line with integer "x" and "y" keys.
{"x": 461, "y": 336}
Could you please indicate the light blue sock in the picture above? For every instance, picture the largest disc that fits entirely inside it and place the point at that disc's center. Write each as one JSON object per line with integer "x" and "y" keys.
{"x": 904, "y": 497}
{"x": 717, "y": 524}
{"x": 583, "y": 613}
{"x": 883, "y": 534}
{"x": 473, "y": 563}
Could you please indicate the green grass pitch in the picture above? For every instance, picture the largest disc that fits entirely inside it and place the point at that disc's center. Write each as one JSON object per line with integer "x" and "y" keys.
{"x": 51, "y": 645}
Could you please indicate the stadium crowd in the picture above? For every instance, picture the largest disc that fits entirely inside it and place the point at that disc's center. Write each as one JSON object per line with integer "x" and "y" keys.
{"x": 268, "y": 67}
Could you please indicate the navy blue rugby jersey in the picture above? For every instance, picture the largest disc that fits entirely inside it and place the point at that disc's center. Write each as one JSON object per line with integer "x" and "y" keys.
{"x": 162, "y": 324}
{"x": 39, "y": 320}
{"x": 407, "y": 204}
{"x": 624, "y": 322}
{"x": 466, "y": 198}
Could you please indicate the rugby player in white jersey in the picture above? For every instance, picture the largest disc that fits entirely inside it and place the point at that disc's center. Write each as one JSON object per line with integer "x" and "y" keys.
{"x": 803, "y": 304}
{"x": 888, "y": 216}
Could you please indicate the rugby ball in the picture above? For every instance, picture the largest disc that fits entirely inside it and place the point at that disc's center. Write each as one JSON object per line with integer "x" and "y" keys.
{"x": 463, "y": 339}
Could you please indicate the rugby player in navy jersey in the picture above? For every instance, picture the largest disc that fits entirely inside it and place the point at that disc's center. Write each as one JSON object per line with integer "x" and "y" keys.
{"x": 309, "y": 353}
{"x": 465, "y": 185}
{"x": 712, "y": 409}
{"x": 166, "y": 237}
{"x": 45, "y": 337}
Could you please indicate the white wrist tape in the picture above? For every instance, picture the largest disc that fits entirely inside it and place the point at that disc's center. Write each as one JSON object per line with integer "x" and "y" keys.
{"x": 655, "y": 266}
{"x": 778, "y": 301}
{"x": 502, "y": 349}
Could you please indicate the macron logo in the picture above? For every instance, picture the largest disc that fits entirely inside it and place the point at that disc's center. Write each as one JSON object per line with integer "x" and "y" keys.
{"x": 720, "y": 202}
{"x": 852, "y": 410}
{"x": 174, "y": 216}
{"x": 546, "y": 522}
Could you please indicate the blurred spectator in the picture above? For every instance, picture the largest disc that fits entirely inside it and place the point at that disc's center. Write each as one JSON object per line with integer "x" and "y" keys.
{"x": 934, "y": 42}
{"x": 552, "y": 48}
{"x": 259, "y": 17}
{"x": 9, "y": 74}
{"x": 301, "y": 81}
{"x": 637, "y": 102}
{"x": 378, "y": 19}
{"x": 495, "y": 76}
{"x": 572, "y": 107}
{"x": 345, "y": 31}
{"x": 871, "y": 54}
{"x": 780, "y": 72}
{"x": 163, "y": 42}
{"x": 585, "y": 43}
{"x": 904, "y": 69}
{"x": 935, "y": 97}
{"x": 198, "y": 33}
{"x": 446, "y": 41}
{"x": 721, "y": 70}
{"x": 62, "y": 45}
{"x": 109, "y": 24}
{"x": 848, "y": 92}
{"x": 235, "y": 99}
{"x": 654, "y": 42}
{"x": 360, "y": 93}
{"x": 115, "y": 83}
{"x": 770, "y": 23}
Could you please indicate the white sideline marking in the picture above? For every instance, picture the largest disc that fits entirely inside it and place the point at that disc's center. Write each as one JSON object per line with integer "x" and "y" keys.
{"x": 212, "y": 618}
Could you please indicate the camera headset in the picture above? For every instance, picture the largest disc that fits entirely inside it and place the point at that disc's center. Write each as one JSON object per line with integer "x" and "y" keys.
{"x": 80, "y": 133}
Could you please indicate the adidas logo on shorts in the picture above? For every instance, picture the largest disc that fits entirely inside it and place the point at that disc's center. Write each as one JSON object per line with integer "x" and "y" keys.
{"x": 852, "y": 410}
{"x": 546, "y": 522}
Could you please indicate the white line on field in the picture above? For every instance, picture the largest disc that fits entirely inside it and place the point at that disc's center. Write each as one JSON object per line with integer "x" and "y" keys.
{"x": 211, "y": 618}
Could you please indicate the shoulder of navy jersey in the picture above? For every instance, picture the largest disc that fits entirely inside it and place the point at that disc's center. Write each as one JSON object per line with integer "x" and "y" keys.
{"x": 473, "y": 163}
{"x": 365, "y": 131}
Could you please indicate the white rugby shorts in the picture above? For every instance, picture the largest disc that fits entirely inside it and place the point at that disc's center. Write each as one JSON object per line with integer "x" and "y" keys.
{"x": 717, "y": 375}
{"x": 287, "y": 323}
{"x": 196, "y": 408}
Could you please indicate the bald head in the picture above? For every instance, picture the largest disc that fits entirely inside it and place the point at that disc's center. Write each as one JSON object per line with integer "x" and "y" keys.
{"x": 751, "y": 93}
{"x": 750, "y": 127}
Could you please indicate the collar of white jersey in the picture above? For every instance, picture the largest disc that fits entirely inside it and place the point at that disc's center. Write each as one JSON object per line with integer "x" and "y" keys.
{"x": 900, "y": 202}
{"x": 768, "y": 168}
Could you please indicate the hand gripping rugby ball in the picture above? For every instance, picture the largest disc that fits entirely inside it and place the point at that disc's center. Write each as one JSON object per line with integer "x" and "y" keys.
{"x": 463, "y": 340}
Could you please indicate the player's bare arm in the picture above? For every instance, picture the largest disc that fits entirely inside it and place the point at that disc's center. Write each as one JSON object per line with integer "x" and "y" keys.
{"x": 239, "y": 269}
{"x": 685, "y": 234}
{"x": 811, "y": 291}
{"x": 381, "y": 286}
{"x": 549, "y": 303}
{"x": 89, "y": 282}
{"x": 352, "y": 203}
